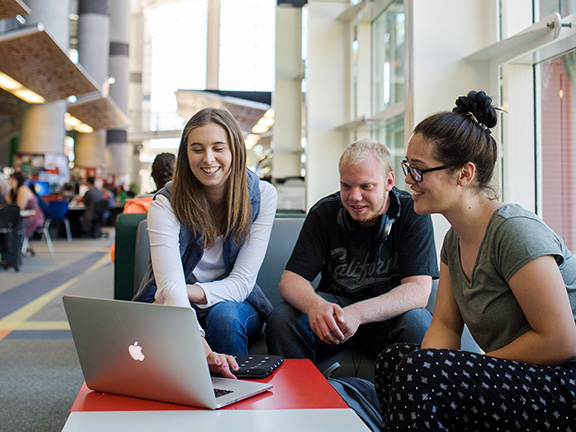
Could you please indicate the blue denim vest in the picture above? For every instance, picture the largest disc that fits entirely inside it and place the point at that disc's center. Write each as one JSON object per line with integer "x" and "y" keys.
{"x": 191, "y": 252}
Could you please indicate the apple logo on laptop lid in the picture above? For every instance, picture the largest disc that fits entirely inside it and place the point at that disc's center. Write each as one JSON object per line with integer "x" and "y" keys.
{"x": 135, "y": 351}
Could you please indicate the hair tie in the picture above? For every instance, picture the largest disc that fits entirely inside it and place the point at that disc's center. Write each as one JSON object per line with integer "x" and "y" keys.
{"x": 482, "y": 125}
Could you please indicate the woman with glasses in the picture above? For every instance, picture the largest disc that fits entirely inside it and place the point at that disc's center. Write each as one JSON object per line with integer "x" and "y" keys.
{"x": 505, "y": 274}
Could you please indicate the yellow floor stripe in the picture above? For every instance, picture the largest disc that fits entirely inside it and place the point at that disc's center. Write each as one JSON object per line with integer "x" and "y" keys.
{"x": 37, "y": 325}
{"x": 65, "y": 249}
{"x": 19, "y": 316}
{"x": 18, "y": 319}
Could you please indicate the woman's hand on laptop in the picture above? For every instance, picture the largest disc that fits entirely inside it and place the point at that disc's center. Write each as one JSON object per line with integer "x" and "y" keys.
{"x": 223, "y": 364}
{"x": 220, "y": 363}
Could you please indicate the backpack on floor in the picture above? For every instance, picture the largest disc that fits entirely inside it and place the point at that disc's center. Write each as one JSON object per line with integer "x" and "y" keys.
{"x": 360, "y": 395}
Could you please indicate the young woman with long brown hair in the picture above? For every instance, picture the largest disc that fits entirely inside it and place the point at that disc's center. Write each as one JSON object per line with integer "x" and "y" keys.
{"x": 209, "y": 230}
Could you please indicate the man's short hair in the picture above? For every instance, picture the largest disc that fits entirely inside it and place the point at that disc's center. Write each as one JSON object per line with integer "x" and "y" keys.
{"x": 356, "y": 152}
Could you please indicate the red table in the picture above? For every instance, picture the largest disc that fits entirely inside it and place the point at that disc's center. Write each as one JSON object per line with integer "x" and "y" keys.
{"x": 301, "y": 400}
{"x": 297, "y": 384}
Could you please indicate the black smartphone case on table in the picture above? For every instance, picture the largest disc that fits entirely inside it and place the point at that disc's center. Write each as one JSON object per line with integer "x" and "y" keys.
{"x": 255, "y": 366}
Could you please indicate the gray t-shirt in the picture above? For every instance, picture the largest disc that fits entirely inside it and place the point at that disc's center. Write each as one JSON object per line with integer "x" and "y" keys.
{"x": 513, "y": 238}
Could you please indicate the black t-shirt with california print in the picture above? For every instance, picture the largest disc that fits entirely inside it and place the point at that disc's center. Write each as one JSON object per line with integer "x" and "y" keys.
{"x": 353, "y": 263}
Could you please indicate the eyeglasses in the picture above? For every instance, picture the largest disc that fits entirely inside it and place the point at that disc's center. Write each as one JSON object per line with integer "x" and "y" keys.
{"x": 418, "y": 174}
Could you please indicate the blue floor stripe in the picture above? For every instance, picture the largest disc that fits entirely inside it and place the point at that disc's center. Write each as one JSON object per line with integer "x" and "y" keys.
{"x": 40, "y": 334}
{"x": 21, "y": 295}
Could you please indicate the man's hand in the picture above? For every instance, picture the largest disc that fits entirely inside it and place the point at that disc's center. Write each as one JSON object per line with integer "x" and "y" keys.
{"x": 324, "y": 318}
{"x": 332, "y": 324}
{"x": 349, "y": 322}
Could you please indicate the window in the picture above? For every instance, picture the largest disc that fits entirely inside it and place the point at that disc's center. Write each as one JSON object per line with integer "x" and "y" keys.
{"x": 563, "y": 7}
{"x": 178, "y": 43}
{"x": 388, "y": 80}
{"x": 391, "y": 134}
{"x": 178, "y": 56}
{"x": 555, "y": 85}
{"x": 247, "y": 45}
{"x": 378, "y": 86}
{"x": 557, "y": 137}
{"x": 538, "y": 134}
{"x": 388, "y": 64}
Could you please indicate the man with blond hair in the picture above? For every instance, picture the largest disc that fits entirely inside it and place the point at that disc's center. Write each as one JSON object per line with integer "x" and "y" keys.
{"x": 376, "y": 257}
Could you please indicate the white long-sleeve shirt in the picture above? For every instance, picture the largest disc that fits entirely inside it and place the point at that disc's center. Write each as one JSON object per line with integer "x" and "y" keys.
{"x": 164, "y": 229}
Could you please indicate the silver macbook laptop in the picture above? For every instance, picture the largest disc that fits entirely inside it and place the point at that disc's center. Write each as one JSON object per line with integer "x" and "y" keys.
{"x": 148, "y": 351}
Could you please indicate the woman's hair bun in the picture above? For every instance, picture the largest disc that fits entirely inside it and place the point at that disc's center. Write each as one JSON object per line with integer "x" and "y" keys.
{"x": 478, "y": 106}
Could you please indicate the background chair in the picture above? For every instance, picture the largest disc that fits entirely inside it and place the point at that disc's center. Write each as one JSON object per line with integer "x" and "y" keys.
{"x": 141, "y": 253}
{"x": 57, "y": 211}
{"x": 45, "y": 234}
{"x": 125, "y": 251}
{"x": 101, "y": 212}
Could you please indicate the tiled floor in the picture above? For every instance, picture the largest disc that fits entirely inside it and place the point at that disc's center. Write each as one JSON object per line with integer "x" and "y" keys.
{"x": 39, "y": 370}
{"x": 30, "y": 299}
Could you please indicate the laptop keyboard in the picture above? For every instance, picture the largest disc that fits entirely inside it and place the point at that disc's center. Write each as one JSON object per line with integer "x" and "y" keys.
{"x": 221, "y": 392}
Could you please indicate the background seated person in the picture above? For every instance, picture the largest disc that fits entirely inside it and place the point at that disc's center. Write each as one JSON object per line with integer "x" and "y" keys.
{"x": 4, "y": 189}
{"x": 162, "y": 172}
{"x": 41, "y": 203}
{"x": 21, "y": 194}
{"x": 377, "y": 259}
{"x": 96, "y": 206}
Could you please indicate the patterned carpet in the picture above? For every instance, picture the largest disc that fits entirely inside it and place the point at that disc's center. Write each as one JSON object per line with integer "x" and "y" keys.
{"x": 39, "y": 371}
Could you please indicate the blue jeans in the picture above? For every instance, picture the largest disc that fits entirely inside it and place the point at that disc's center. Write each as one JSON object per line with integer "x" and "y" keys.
{"x": 289, "y": 335}
{"x": 230, "y": 326}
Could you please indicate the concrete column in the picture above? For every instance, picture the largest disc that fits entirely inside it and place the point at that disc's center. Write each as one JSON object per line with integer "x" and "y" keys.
{"x": 94, "y": 38}
{"x": 327, "y": 81}
{"x": 54, "y": 16}
{"x": 120, "y": 19}
{"x": 116, "y": 153}
{"x": 213, "y": 48}
{"x": 88, "y": 149}
{"x": 117, "y": 149}
{"x": 286, "y": 141}
{"x": 93, "y": 48}
{"x": 43, "y": 129}
{"x": 136, "y": 106}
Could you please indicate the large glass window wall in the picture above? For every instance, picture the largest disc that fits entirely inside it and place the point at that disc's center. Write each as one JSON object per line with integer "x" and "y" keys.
{"x": 247, "y": 45}
{"x": 245, "y": 57}
{"x": 563, "y": 7}
{"x": 175, "y": 65}
{"x": 391, "y": 134}
{"x": 555, "y": 84}
{"x": 388, "y": 63}
{"x": 178, "y": 34}
{"x": 550, "y": 115}
{"x": 557, "y": 100}
{"x": 388, "y": 79}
